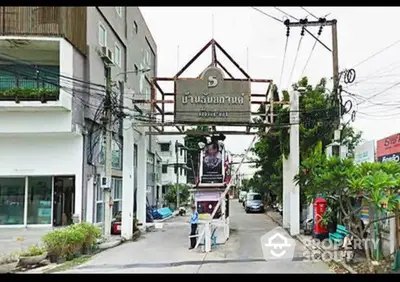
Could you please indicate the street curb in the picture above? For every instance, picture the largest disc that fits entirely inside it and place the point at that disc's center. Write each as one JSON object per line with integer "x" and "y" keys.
{"x": 298, "y": 238}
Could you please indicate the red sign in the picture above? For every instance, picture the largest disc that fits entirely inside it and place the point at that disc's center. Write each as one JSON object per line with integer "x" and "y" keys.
{"x": 388, "y": 146}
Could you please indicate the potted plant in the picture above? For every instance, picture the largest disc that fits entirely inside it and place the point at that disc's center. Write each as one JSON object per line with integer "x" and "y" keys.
{"x": 34, "y": 255}
{"x": 29, "y": 94}
{"x": 91, "y": 234}
{"x": 54, "y": 242}
{"x": 8, "y": 263}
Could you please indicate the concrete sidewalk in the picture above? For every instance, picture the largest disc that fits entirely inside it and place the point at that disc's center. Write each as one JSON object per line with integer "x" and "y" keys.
{"x": 18, "y": 239}
{"x": 162, "y": 250}
{"x": 166, "y": 251}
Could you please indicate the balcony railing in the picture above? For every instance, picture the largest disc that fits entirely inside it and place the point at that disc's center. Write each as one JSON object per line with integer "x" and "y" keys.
{"x": 28, "y": 84}
{"x": 57, "y": 21}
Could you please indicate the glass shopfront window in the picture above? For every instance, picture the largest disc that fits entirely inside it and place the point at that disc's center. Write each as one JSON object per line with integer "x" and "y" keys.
{"x": 116, "y": 184}
{"x": 39, "y": 200}
{"x": 12, "y": 201}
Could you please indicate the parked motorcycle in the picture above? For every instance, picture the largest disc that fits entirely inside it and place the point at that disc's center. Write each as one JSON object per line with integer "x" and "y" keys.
{"x": 182, "y": 211}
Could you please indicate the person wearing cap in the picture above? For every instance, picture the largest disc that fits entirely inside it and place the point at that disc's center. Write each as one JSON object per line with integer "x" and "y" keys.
{"x": 193, "y": 227}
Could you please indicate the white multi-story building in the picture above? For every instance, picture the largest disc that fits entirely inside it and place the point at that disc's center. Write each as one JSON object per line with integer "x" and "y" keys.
{"x": 172, "y": 173}
{"x": 52, "y": 82}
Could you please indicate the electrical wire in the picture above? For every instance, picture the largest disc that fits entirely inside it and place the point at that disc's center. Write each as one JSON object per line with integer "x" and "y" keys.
{"x": 377, "y": 53}
{"x": 287, "y": 14}
{"x": 264, "y": 13}
{"x": 308, "y": 59}
{"x": 31, "y": 64}
{"x": 311, "y": 14}
{"x": 389, "y": 68}
{"x": 295, "y": 61}
{"x": 305, "y": 29}
{"x": 380, "y": 93}
{"x": 283, "y": 62}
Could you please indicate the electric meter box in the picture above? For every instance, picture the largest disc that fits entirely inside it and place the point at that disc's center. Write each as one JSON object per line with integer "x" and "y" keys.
{"x": 105, "y": 182}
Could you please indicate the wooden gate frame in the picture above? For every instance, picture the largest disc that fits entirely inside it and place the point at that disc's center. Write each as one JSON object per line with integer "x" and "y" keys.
{"x": 158, "y": 106}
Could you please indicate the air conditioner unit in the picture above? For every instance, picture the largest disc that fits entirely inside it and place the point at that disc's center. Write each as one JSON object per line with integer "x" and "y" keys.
{"x": 105, "y": 182}
{"x": 107, "y": 55}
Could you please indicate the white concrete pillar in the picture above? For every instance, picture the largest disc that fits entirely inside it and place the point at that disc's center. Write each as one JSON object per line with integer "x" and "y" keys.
{"x": 160, "y": 196}
{"x": 90, "y": 200}
{"x": 286, "y": 192}
{"x": 207, "y": 237}
{"x": 128, "y": 175}
{"x": 142, "y": 180}
{"x": 392, "y": 235}
{"x": 227, "y": 228}
{"x": 294, "y": 164}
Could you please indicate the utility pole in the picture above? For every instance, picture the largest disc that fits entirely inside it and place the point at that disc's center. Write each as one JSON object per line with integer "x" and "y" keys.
{"x": 294, "y": 164}
{"x": 177, "y": 174}
{"x": 303, "y": 23}
{"x": 107, "y": 137}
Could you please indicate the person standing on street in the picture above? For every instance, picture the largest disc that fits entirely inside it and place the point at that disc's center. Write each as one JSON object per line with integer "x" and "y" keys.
{"x": 193, "y": 227}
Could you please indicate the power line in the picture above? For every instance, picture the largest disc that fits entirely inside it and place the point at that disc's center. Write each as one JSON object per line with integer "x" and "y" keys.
{"x": 268, "y": 15}
{"x": 295, "y": 60}
{"x": 311, "y": 14}
{"x": 283, "y": 62}
{"x": 31, "y": 65}
{"x": 381, "y": 92}
{"x": 306, "y": 30}
{"x": 377, "y": 53}
{"x": 308, "y": 59}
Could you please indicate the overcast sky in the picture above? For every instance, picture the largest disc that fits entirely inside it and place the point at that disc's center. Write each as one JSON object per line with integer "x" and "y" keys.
{"x": 257, "y": 43}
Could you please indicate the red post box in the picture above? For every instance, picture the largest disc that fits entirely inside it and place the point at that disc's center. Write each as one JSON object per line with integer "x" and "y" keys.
{"x": 320, "y": 231}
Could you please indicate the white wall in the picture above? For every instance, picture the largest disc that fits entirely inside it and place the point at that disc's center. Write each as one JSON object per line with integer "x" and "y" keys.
{"x": 170, "y": 158}
{"x": 44, "y": 156}
{"x": 35, "y": 122}
{"x": 66, "y": 69}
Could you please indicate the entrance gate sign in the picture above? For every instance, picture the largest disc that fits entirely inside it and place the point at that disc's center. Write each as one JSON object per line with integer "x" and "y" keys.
{"x": 211, "y": 99}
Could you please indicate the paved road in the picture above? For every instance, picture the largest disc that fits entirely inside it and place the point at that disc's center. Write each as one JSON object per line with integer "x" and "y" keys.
{"x": 166, "y": 251}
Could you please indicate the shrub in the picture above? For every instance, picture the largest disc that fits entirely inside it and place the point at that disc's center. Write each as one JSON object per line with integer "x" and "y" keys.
{"x": 10, "y": 258}
{"x": 68, "y": 241}
{"x": 54, "y": 242}
{"x": 33, "y": 251}
{"x": 91, "y": 234}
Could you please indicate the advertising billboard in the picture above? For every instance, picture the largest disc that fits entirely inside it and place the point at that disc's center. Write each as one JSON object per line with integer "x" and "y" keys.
{"x": 389, "y": 158}
{"x": 365, "y": 153}
{"x": 212, "y": 164}
{"x": 388, "y": 146}
{"x": 212, "y": 99}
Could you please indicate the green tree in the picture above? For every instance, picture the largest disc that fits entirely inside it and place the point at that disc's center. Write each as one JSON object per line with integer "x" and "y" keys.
{"x": 342, "y": 182}
{"x": 193, "y": 154}
{"x": 318, "y": 111}
{"x": 184, "y": 194}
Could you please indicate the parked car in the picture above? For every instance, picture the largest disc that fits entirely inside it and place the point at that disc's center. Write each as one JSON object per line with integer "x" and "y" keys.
{"x": 242, "y": 196}
{"x": 254, "y": 203}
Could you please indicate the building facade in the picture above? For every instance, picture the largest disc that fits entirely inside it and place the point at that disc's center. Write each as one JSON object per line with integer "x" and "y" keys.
{"x": 52, "y": 84}
{"x": 365, "y": 152}
{"x": 172, "y": 173}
